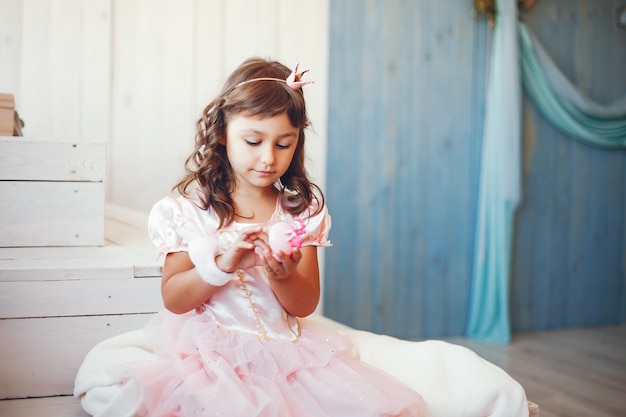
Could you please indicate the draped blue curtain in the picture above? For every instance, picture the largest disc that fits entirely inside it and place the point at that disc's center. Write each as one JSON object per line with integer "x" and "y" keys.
{"x": 499, "y": 187}
{"x": 516, "y": 50}
{"x": 563, "y": 104}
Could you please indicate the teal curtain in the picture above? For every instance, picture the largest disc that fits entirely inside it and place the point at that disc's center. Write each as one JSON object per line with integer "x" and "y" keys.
{"x": 565, "y": 106}
{"x": 499, "y": 187}
{"x": 516, "y": 59}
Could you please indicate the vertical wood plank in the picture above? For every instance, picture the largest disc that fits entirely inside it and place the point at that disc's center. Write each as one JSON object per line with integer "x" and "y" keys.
{"x": 418, "y": 177}
{"x": 252, "y": 32}
{"x": 64, "y": 46}
{"x": 366, "y": 129}
{"x": 95, "y": 70}
{"x": 152, "y": 98}
{"x": 338, "y": 61}
{"x": 34, "y": 90}
{"x": 438, "y": 168}
{"x": 209, "y": 72}
{"x": 10, "y": 48}
{"x": 463, "y": 192}
{"x": 405, "y": 284}
{"x": 56, "y": 47}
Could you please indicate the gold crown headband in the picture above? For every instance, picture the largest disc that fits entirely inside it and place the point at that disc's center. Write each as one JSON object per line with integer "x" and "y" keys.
{"x": 293, "y": 81}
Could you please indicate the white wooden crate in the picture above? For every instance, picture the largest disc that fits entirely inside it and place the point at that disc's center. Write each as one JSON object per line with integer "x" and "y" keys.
{"x": 51, "y": 192}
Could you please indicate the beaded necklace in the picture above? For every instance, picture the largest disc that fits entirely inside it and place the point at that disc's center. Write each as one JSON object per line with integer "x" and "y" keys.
{"x": 255, "y": 312}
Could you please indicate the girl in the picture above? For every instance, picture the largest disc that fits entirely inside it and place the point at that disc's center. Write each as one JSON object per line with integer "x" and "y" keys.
{"x": 230, "y": 342}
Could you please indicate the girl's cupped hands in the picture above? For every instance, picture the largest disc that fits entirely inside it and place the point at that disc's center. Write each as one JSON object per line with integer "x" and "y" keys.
{"x": 251, "y": 248}
{"x": 243, "y": 252}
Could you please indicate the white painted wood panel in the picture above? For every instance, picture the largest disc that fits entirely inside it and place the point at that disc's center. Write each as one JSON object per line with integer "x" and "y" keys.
{"x": 35, "y": 159}
{"x": 224, "y": 33}
{"x": 10, "y": 49}
{"x": 63, "y": 268}
{"x": 153, "y": 69}
{"x": 51, "y": 213}
{"x": 127, "y": 254}
{"x": 79, "y": 297}
{"x": 95, "y": 71}
{"x": 253, "y": 32}
{"x": 40, "y": 356}
{"x": 209, "y": 46}
{"x": 40, "y": 103}
{"x": 64, "y": 68}
{"x": 69, "y": 263}
{"x": 137, "y": 74}
{"x": 56, "y": 303}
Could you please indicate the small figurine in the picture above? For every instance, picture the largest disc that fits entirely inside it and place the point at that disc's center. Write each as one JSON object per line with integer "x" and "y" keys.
{"x": 283, "y": 237}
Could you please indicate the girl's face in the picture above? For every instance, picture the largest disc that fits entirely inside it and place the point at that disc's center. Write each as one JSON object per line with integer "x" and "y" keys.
{"x": 260, "y": 149}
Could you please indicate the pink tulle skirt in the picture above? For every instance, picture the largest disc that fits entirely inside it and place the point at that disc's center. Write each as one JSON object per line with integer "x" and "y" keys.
{"x": 201, "y": 369}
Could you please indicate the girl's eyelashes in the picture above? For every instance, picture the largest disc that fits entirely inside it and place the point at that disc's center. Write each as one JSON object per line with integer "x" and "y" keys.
{"x": 253, "y": 142}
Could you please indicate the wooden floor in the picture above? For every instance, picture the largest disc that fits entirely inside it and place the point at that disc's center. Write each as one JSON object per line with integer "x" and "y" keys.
{"x": 568, "y": 373}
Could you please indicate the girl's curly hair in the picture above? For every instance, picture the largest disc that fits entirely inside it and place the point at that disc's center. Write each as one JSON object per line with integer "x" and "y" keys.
{"x": 208, "y": 166}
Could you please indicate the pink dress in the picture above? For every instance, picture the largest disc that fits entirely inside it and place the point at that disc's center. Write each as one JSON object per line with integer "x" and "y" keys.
{"x": 242, "y": 354}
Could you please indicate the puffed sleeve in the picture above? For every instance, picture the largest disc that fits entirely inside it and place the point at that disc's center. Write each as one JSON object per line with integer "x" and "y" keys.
{"x": 317, "y": 227}
{"x": 171, "y": 227}
{"x": 174, "y": 225}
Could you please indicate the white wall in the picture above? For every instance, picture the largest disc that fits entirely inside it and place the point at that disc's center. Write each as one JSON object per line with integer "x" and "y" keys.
{"x": 137, "y": 73}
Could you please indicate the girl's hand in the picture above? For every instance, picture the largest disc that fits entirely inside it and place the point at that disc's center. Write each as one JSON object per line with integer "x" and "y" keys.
{"x": 281, "y": 268}
{"x": 241, "y": 253}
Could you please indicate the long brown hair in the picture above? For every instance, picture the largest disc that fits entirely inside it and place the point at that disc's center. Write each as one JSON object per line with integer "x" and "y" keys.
{"x": 208, "y": 166}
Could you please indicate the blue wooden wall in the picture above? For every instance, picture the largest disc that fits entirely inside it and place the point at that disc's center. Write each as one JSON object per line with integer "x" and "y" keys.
{"x": 406, "y": 107}
{"x": 570, "y": 256}
{"x": 406, "y": 101}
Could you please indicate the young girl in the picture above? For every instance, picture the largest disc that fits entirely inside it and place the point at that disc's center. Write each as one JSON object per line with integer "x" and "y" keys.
{"x": 230, "y": 342}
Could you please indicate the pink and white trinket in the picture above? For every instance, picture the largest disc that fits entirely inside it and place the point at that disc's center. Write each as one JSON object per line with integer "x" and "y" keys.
{"x": 284, "y": 237}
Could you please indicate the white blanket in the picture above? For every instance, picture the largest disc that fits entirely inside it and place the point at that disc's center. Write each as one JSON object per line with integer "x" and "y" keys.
{"x": 454, "y": 381}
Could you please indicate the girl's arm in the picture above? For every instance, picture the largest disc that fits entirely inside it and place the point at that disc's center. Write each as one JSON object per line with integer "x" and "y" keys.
{"x": 182, "y": 287}
{"x": 299, "y": 291}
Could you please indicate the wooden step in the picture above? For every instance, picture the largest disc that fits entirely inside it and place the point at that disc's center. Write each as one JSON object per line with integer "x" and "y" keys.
{"x": 53, "y": 192}
{"x": 56, "y": 303}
